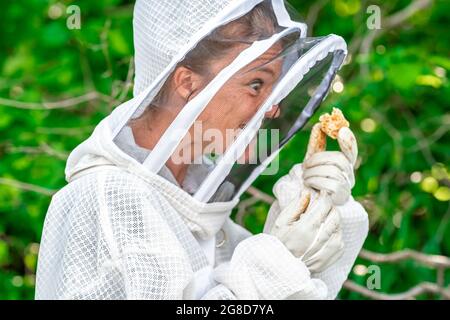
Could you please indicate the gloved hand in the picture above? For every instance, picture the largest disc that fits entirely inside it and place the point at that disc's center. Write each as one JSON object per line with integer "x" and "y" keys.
{"x": 331, "y": 170}
{"x": 314, "y": 235}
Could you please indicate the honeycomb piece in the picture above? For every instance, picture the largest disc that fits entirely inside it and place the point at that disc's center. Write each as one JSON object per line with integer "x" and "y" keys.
{"x": 331, "y": 124}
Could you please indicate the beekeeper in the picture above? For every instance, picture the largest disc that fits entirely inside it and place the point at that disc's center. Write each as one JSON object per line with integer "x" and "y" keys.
{"x": 146, "y": 212}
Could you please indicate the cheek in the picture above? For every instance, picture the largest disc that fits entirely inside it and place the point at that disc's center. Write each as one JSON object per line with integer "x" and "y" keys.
{"x": 241, "y": 104}
{"x": 247, "y": 107}
{"x": 229, "y": 109}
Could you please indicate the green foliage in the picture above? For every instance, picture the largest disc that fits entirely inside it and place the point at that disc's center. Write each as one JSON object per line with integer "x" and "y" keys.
{"x": 396, "y": 97}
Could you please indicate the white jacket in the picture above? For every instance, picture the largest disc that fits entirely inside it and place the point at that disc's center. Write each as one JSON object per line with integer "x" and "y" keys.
{"x": 117, "y": 231}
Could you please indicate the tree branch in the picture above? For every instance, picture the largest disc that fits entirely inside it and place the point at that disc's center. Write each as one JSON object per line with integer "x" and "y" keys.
{"x": 433, "y": 261}
{"x": 260, "y": 195}
{"x": 94, "y": 95}
{"x": 43, "y": 148}
{"x": 27, "y": 186}
{"x": 424, "y": 287}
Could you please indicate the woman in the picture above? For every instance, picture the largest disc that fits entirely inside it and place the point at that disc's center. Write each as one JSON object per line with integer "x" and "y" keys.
{"x": 146, "y": 212}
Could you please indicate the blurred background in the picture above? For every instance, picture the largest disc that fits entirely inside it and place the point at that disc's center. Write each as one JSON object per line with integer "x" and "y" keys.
{"x": 57, "y": 83}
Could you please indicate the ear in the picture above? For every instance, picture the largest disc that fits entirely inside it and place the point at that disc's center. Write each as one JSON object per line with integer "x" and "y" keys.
{"x": 186, "y": 82}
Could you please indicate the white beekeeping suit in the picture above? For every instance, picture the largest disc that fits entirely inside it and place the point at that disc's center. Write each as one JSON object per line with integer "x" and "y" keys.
{"x": 126, "y": 228}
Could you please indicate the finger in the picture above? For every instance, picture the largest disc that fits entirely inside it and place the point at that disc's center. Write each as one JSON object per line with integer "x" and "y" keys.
{"x": 325, "y": 171}
{"x": 332, "y": 223}
{"x": 329, "y": 171}
{"x": 330, "y": 226}
{"x": 286, "y": 189}
{"x": 324, "y": 259}
{"x": 293, "y": 210}
{"x": 333, "y": 186}
{"x": 286, "y": 215}
{"x": 335, "y": 158}
{"x": 304, "y": 201}
{"x": 347, "y": 143}
{"x": 340, "y": 192}
{"x": 317, "y": 211}
{"x": 330, "y": 252}
{"x": 327, "y": 230}
{"x": 317, "y": 141}
{"x": 310, "y": 222}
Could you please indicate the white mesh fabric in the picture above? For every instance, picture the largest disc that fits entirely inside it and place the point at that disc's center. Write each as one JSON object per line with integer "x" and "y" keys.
{"x": 161, "y": 29}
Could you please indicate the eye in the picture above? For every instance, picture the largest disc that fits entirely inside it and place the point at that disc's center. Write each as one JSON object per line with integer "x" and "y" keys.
{"x": 256, "y": 85}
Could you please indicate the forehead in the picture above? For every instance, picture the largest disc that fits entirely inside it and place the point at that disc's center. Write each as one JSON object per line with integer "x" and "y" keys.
{"x": 269, "y": 60}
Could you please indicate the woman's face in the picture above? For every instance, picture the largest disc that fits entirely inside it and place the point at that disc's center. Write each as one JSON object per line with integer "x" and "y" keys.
{"x": 238, "y": 100}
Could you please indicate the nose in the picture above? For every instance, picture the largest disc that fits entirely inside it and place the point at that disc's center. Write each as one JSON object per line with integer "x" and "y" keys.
{"x": 273, "y": 113}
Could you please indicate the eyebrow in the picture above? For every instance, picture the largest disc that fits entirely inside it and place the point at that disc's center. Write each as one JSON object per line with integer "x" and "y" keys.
{"x": 265, "y": 69}
{"x": 262, "y": 69}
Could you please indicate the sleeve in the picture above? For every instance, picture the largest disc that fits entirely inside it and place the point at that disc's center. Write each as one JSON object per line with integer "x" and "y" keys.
{"x": 262, "y": 268}
{"x": 355, "y": 226}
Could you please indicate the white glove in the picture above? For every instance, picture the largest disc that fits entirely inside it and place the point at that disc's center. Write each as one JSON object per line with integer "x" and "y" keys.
{"x": 332, "y": 170}
{"x": 315, "y": 235}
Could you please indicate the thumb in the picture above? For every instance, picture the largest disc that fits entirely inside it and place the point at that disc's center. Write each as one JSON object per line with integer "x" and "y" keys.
{"x": 348, "y": 145}
{"x": 317, "y": 141}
